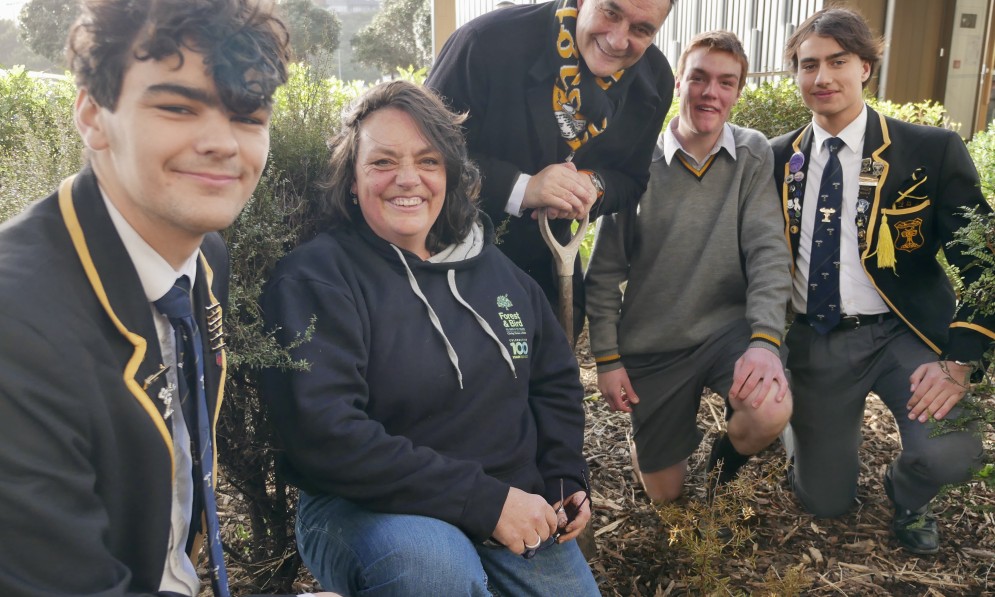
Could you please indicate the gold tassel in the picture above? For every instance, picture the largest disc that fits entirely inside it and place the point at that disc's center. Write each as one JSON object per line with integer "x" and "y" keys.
{"x": 886, "y": 245}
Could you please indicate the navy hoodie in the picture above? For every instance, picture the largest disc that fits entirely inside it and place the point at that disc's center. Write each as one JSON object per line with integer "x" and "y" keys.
{"x": 432, "y": 405}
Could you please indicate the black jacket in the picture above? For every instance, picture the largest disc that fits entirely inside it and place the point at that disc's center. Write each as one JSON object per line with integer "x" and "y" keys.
{"x": 387, "y": 416}
{"x": 86, "y": 458}
{"x": 500, "y": 69}
{"x": 917, "y": 290}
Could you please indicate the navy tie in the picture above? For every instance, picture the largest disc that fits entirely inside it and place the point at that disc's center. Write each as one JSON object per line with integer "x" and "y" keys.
{"x": 823, "y": 305}
{"x": 176, "y": 306}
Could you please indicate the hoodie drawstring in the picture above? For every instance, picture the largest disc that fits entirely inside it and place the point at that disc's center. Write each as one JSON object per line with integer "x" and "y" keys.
{"x": 453, "y": 357}
{"x": 451, "y": 275}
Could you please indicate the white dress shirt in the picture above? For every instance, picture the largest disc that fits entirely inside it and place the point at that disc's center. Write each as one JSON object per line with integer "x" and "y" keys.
{"x": 157, "y": 277}
{"x": 857, "y": 293}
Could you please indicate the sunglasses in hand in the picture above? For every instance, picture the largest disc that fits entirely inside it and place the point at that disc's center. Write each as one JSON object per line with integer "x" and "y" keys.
{"x": 571, "y": 510}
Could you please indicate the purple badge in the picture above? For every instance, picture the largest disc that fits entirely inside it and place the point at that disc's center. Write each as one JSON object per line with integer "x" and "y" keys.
{"x": 796, "y": 162}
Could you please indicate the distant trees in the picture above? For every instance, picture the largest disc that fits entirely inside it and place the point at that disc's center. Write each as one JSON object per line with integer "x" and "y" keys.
{"x": 313, "y": 30}
{"x": 400, "y": 36}
{"x": 44, "y": 25}
{"x": 14, "y": 52}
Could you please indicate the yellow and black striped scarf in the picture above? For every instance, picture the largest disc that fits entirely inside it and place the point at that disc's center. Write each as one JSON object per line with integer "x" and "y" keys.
{"x": 582, "y": 110}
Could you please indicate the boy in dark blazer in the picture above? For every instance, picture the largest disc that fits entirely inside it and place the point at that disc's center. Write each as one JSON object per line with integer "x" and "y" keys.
{"x": 565, "y": 102}
{"x": 869, "y": 201}
{"x": 105, "y": 477}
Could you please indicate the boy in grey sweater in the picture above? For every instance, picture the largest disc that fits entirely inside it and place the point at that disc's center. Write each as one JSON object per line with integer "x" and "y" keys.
{"x": 707, "y": 277}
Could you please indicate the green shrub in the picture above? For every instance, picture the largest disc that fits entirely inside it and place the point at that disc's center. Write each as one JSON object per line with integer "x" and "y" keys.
{"x": 280, "y": 215}
{"x": 982, "y": 149}
{"x": 773, "y": 108}
{"x": 39, "y": 145}
{"x": 926, "y": 112}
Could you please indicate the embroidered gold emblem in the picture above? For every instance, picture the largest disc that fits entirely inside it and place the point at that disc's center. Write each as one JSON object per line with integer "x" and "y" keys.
{"x": 909, "y": 235}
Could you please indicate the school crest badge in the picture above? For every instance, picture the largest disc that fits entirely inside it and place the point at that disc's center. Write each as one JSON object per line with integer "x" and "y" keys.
{"x": 909, "y": 236}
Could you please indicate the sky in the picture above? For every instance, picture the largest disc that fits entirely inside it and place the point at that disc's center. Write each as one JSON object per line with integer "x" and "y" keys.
{"x": 10, "y": 8}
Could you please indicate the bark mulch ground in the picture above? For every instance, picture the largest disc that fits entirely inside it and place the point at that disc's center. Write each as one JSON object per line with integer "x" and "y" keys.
{"x": 780, "y": 550}
{"x": 783, "y": 550}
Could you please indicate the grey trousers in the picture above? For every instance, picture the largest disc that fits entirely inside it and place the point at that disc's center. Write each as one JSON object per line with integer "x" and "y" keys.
{"x": 831, "y": 376}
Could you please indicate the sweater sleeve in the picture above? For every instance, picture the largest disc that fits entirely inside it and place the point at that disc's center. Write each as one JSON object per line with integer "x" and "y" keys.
{"x": 606, "y": 271}
{"x": 331, "y": 444}
{"x": 766, "y": 256}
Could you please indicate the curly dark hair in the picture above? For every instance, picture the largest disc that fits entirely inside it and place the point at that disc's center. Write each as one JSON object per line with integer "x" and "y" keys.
{"x": 441, "y": 128}
{"x": 243, "y": 42}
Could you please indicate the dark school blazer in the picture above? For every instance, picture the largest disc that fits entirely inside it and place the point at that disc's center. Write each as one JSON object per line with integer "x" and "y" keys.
{"x": 87, "y": 454}
{"x": 500, "y": 69}
{"x": 927, "y": 177}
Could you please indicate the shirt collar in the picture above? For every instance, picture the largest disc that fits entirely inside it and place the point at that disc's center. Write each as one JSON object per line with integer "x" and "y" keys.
{"x": 671, "y": 144}
{"x": 155, "y": 273}
{"x": 852, "y": 135}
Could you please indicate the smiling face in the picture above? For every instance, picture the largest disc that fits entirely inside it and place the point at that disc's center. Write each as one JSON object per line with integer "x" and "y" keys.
{"x": 831, "y": 81}
{"x": 400, "y": 180}
{"x": 171, "y": 157}
{"x": 614, "y": 34}
{"x": 708, "y": 88}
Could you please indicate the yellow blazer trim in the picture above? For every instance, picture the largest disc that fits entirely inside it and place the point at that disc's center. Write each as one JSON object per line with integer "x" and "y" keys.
{"x": 974, "y": 327}
{"x": 876, "y": 156}
{"x": 907, "y": 193}
{"x": 611, "y": 357}
{"x": 872, "y": 226}
{"x": 796, "y": 147}
{"x": 209, "y": 275}
{"x": 131, "y": 367}
{"x": 906, "y": 210}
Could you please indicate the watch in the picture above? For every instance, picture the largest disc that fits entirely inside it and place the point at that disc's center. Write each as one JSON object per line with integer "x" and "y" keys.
{"x": 597, "y": 181}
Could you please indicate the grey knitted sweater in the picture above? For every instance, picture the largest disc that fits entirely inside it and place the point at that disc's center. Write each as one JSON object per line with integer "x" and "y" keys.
{"x": 694, "y": 255}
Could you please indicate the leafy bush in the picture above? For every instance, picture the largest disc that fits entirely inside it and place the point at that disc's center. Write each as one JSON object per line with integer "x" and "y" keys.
{"x": 926, "y": 112}
{"x": 982, "y": 149}
{"x": 773, "y": 108}
{"x": 39, "y": 145}
{"x": 280, "y": 216}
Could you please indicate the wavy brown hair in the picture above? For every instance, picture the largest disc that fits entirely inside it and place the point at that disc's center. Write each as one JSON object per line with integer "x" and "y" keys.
{"x": 847, "y": 27}
{"x": 722, "y": 41}
{"x": 443, "y": 131}
{"x": 244, "y": 44}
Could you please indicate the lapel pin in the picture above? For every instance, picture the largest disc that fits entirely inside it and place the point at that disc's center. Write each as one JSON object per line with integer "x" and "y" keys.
{"x": 151, "y": 379}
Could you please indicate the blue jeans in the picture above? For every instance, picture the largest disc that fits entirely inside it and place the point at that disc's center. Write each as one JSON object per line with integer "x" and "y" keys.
{"x": 357, "y": 552}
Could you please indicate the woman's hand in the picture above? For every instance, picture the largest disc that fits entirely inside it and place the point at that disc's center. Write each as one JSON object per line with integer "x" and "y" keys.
{"x": 526, "y": 521}
{"x": 574, "y": 516}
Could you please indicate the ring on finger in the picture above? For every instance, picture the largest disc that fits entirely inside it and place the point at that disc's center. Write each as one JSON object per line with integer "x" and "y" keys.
{"x": 537, "y": 543}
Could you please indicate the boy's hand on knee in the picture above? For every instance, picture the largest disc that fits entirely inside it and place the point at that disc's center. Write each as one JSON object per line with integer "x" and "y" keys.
{"x": 936, "y": 388}
{"x": 756, "y": 373}
{"x": 526, "y": 520}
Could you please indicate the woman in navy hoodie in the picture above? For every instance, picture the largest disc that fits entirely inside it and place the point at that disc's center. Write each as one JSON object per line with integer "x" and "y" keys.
{"x": 437, "y": 436}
